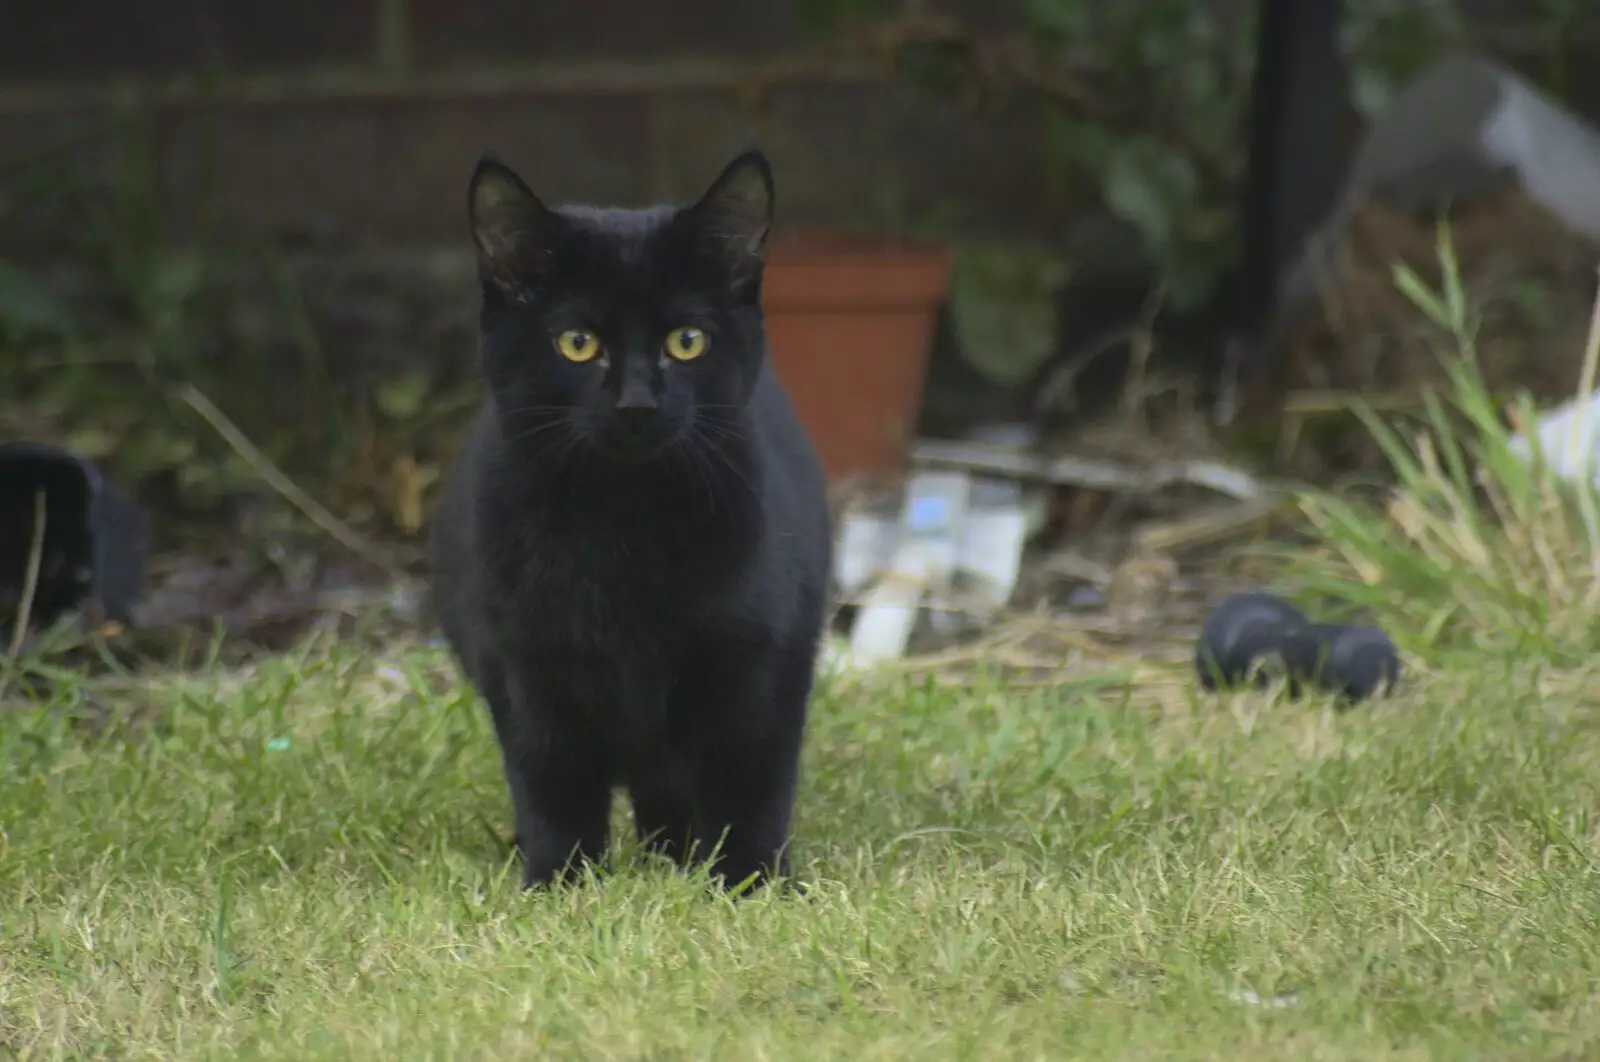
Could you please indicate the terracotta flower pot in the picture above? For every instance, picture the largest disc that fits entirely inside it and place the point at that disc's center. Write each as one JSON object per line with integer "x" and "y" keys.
{"x": 849, "y": 323}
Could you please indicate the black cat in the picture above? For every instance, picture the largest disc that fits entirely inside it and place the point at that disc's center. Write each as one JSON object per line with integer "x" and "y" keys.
{"x": 631, "y": 556}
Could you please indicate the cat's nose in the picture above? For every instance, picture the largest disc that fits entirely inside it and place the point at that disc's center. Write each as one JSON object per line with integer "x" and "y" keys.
{"x": 636, "y": 419}
{"x": 636, "y": 404}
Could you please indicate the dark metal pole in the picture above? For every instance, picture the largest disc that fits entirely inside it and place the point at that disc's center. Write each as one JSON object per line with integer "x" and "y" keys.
{"x": 1296, "y": 162}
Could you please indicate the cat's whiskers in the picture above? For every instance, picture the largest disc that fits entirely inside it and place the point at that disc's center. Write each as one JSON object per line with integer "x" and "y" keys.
{"x": 710, "y": 449}
{"x": 553, "y": 424}
{"x": 570, "y": 453}
{"x": 717, "y": 433}
{"x": 702, "y": 467}
{"x": 726, "y": 430}
{"x": 525, "y": 410}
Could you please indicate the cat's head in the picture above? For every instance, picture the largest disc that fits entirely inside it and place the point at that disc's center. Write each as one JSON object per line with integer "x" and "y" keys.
{"x": 617, "y": 331}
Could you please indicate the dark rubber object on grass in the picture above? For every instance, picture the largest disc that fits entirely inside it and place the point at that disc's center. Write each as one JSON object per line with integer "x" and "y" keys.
{"x": 1354, "y": 661}
{"x": 1241, "y": 630}
{"x": 92, "y": 554}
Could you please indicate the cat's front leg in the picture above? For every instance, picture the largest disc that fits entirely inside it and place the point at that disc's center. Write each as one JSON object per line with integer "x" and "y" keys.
{"x": 560, "y": 782}
{"x": 748, "y": 799}
{"x": 747, "y": 765}
{"x": 663, "y": 807}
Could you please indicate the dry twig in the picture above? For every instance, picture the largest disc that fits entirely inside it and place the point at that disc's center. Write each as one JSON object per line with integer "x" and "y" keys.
{"x": 275, "y": 477}
{"x": 30, "y": 581}
{"x": 30, "y": 587}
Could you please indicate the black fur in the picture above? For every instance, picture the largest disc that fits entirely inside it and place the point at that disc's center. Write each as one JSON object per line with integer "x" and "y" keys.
{"x": 631, "y": 555}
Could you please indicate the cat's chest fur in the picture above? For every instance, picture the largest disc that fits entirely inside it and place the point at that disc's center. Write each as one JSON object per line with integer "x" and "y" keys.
{"x": 639, "y": 566}
{"x": 604, "y": 593}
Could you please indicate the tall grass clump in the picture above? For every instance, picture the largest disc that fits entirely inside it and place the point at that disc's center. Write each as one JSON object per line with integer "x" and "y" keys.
{"x": 1482, "y": 545}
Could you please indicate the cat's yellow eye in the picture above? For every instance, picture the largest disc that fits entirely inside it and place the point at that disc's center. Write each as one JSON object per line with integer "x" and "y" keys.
{"x": 686, "y": 344}
{"x": 577, "y": 345}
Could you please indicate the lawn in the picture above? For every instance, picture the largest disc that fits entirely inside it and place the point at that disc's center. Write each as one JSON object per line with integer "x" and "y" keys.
{"x": 305, "y": 860}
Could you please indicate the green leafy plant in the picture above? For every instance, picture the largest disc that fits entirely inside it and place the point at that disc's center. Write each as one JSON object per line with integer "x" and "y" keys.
{"x": 90, "y": 369}
{"x": 28, "y": 308}
{"x": 1481, "y": 545}
{"x": 100, "y": 369}
{"x": 1171, "y": 164}
{"x": 1145, "y": 102}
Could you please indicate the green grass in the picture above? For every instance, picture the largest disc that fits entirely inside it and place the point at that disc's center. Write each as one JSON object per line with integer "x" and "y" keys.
{"x": 304, "y": 861}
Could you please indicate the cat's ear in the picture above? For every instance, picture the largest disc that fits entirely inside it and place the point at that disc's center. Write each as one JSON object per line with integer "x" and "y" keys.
{"x": 735, "y": 216}
{"x": 514, "y": 231}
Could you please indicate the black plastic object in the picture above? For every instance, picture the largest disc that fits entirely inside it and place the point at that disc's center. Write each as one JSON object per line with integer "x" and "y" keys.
{"x": 1354, "y": 661}
{"x": 92, "y": 556}
{"x": 1242, "y": 629}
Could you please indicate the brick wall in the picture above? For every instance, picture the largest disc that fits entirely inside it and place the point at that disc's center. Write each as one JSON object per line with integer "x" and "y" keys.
{"x": 348, "y": 129}
{"x": 360, "y": 119}
{"x": 350, "y": 126}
